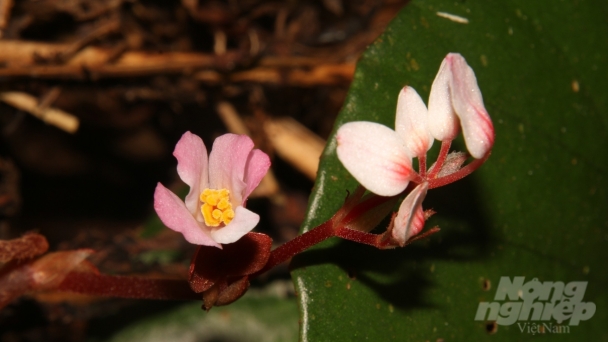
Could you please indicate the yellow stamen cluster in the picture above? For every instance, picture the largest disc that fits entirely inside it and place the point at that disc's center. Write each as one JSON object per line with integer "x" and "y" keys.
{"x": 216, "y": 207}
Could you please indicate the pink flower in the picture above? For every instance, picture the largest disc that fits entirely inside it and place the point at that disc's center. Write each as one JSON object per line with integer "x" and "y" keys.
{"x": 213, "y": 212}
{"x": 381, "y": 158}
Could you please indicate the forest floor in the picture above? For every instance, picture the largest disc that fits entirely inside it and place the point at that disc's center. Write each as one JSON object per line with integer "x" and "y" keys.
{"x": 95, "y": 94}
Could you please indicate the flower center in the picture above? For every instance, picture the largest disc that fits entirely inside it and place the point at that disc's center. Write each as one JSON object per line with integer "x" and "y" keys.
{"x": 216, "y": 207}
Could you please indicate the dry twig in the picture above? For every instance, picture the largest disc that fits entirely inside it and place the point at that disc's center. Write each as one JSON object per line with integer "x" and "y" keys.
{"x": 296, "y": 144}
{"x": 51, "y": 116}
{"x": 5, "y": 14}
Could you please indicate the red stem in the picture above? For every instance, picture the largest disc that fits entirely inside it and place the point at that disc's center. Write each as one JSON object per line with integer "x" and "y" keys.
{"x": 443, "y": 153}
{"x": 358, "y": 236}
{"x": 422, "y": 166}
{"x": 127, "y": 287}
{"x": 297, "y": 245}
{"x": 423, "y": 235}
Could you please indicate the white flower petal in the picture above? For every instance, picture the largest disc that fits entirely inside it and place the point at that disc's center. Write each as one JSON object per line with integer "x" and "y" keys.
{"x": 411, "y": 122}
{"x": 244, "y": 221}
{"x": 443, "y": 122}
{"x": 410, "y": 218}
{"x": 376, "y": 156}
{"x": 476, "y": 124}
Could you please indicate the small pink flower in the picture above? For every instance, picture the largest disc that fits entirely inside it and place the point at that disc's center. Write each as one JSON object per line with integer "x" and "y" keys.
{"x": 213, "y": 212}
{"x": 381, "y": 158}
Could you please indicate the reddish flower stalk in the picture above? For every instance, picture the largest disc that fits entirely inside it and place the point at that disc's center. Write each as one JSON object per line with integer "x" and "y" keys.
{"x": 127, "y": 287}
{"x": 169, "y": 289}
{"x": 354, "y": 209}
{"x": 443, "y": 154}
{"x": 299, "y": 244}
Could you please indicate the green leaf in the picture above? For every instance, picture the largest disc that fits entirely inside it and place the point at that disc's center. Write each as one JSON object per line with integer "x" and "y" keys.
{"x": 261, "y": 315}
{"x": 535, "y": 209}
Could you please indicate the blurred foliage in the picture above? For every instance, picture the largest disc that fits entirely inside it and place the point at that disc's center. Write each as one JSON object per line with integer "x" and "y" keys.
{"x": 258, "y": 316}
{"x": 161, "y": 256}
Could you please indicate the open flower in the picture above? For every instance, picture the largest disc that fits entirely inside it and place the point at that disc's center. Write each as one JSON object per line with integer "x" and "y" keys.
{"x": 381, "y": 158}
{"x": 213, "y": 212}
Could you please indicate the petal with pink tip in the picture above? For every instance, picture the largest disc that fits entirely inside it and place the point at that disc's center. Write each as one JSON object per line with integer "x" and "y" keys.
{"x": 411, "y": 122}
{"x": 443, "y": 122}
{"x": 410, "y": 217}
{"x": 191, "y": 155}
{"x": 256, "y": 168}
{"x": 376, "y": 156}
{"x": 227, "y": 162}
{"x": 244, "y": 221}
{"x": 174, "y": 214}
{"x": 477, "y": 127}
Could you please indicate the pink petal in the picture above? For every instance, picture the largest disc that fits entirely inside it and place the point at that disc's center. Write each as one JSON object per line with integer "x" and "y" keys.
{"x": 411, "y": 122}
{"x": 376, "y": 156}
{"x": 191, "y": 157}
{"x": 174, "y": 214}
{"x": 476, "y": 124}
{"x": 242, "y": 223}
{"x": 455, "y": 93}
{"x": 256, "y": 168}
{"x": 227, "y": 162}
{"x": 410, "y": 218}
{"x": 443, "y": 122}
